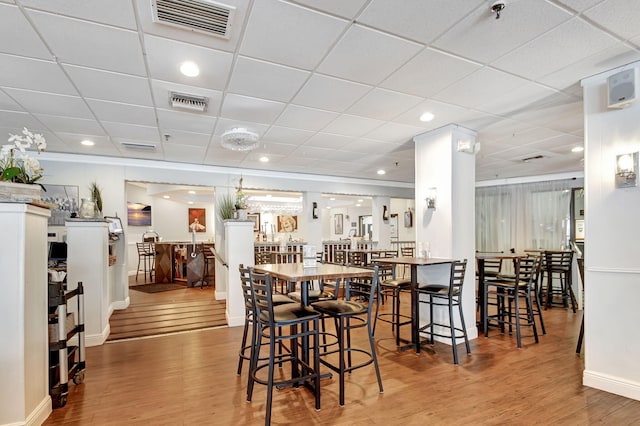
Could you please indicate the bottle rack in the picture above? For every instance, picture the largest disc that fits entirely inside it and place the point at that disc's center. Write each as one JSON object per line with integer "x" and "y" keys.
{"x": 65, "y": 362}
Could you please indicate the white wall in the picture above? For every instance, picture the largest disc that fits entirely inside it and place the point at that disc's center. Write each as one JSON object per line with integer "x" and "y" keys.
{"x": 399, "y": 206}
{"x": 612, "y": 274}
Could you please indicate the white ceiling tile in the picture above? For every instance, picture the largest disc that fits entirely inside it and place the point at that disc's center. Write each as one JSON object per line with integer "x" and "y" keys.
{"x": 171, "y": 121}
{"x": 607, "y": 14}
{"x": 123, "y": 130}
{"x": 245, "y": 108}
{"x": 70, "y": 125}
{"x": 579, "y": 5}
{"x": 512, "y": 101}
{"x": 476, "y": 88}
{"x": 568, "y": 43}
{"x": 444, "y": 113}
{"x": 346, "y": 9}
{"x": 12, "y": 21}
{"x": 114, "y": 12}
{"x": 369, "y": 146}
{"x": 97, "y": 46}
{"x": 366, "y": 55}
{"x": 51, "y": 104}
{"x": 6, "y": 103}
{"x": 352, "y": 125}
{"x": 328, "y": 140}
{"x": 394, "y": 132}
{"x": 287, "y": 135}
{"x": 16, "y": 120}
{"x": 618, "y": 55}
{"x": 186, "y": 139}
{"x": 266, "y": 80}
{"x": 225, "y": 124}
{"x": 313, "y": 152}
{"x": 423, "y": 76}
{"x": 330, "y": 93}
{"x": 420, "y": 20}
{"x": 158, "y": 154}
{"x": 526, "y": 136}
{"x": 299, "y": 117}
{"x": 483, "y": 38}
{"x": 103, "y": 145}
{"x": 384, "y": 104}
{"x": 270, "y": 28}
{"x": 125, "y": 113}
{"x": 165, "y": 57}
{"x": 554, "y": 109}
{"x": 560, "y": 144}
{"x": 281, "y": 149}
{"x": 34, "y": 74}
{"x": 111, "y": 86}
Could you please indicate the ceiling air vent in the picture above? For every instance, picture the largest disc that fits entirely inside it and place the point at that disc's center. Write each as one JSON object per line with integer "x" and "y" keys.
{"x": 199, "y": 15}
{"x": 189, "y": 102}
{"x": 139, "y": 146}
{"x": 535, "y": 157}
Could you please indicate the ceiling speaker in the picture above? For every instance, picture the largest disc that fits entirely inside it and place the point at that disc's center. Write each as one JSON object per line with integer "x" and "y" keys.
{"x": 622, "y": 88}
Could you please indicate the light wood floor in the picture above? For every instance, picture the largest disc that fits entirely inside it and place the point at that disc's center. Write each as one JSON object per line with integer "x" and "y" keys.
{"x": 190, "y": 379}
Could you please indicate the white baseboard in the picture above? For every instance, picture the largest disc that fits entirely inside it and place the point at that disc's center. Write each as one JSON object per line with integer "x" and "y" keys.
{"x": 234, "y": 321}
{"x": 221, "y": 295}
{"x": 122, "y": 304}
{"x": 39, "y": 415}
{"x": 616, "y": 385}
{"x": 97, "y": 339}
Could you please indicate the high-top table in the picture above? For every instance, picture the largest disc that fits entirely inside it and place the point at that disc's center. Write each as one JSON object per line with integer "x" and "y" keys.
{"x": 414, "y": 262}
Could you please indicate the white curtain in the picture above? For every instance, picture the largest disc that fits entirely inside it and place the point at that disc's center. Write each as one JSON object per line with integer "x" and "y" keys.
{"x": 523, "y": 216}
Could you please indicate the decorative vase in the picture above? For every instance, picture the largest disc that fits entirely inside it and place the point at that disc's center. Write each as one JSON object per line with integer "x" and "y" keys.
{"x": 242, "y": 214}
{"x": 19, "y": 192}
{"x": 87, "y": 209}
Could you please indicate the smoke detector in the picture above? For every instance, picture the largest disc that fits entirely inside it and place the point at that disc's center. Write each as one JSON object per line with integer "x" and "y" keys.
{"x": 239, "y": 139}
{"x": 188, "y": 102}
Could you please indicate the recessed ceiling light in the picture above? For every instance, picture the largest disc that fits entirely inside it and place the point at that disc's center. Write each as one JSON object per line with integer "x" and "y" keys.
{"x": 360, "y": 201}
{"x": 87, "y": 142}
{"x": 332, "y": 199}
{"x": 577, "y": 149}
{"x": 264, "y": 159}
{"x": 381, "y": 172}
{"x": 190, "y": 202}
{"x": 358, "y": 205}
{"x": 268, "y": 195}
{"x": 190, "y": 69}
{"x": 166, "y": 197}
{"x": 192, "y": 192}
{"x": 328, "y": 207}
{"x": 426, "y": 117}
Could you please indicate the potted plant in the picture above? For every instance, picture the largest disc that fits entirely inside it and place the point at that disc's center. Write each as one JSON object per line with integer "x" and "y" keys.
{"x": 241, "y": 202}
{"x": 96, "y": 196}
{"x": 19, "y": 172}
{"x": 226, "y": 207}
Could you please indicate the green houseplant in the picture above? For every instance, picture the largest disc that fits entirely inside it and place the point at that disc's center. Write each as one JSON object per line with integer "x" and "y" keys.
{"x": 226, "y": 205}
{"x": 96, "y": 196}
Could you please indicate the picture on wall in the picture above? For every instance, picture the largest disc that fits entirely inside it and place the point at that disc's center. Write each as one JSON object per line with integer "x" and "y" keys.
{"x": 65, "y": 197}
{"x": 408, "y": 219}
{"x": 287, "y": 223}
{"x": 197, "y": 220}
{"x": 138, "y": 214}
{"x": 255, "y": 217}
{"x": 338, "y": 222}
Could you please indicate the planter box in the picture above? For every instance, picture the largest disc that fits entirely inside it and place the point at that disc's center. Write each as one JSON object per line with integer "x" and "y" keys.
{"x": 19, "y": 192}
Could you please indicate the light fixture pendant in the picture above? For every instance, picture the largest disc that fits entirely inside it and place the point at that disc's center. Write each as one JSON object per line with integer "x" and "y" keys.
{"x": 239, "y": 139}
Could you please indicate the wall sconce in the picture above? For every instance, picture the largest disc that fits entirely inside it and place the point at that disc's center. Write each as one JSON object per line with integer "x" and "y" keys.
{"x": 431, "y": 198}
{"x": 385, "y": 213}
{"x": 627, "y": 170}
{"x": 314, "y": 211}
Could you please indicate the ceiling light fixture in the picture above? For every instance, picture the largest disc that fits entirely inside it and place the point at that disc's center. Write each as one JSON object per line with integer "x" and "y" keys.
{"x": 577, "y": 149}
{"x": 381, "y": 172}
{"x": 239, "y": 139}
{"x": 87, "y": 142}
{"x": 192, "y": 192}
{"x": 426, "y": 117}
{"x": 190, "y": 69}
{"x": 264, "y": 159}
{"x": 166, "y": 197}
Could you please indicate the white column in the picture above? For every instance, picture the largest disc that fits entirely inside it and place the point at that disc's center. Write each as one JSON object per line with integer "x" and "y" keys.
{"x": 449, "y": 229}
{"x": 24, "y": 360}
{"x": 239, "y": 250}
{"x": 88, "y": 262}
{"x": 381, "y": 228}
{"x": 311, "y": 227}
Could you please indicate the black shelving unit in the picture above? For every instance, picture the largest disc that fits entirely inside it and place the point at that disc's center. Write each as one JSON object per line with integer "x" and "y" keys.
{"x": 65, "y": 362}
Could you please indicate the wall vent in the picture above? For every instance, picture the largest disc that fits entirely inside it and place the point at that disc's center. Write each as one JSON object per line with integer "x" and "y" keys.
{"x": 188, "y": 102}
{"x": 139, "y": 146}
{"x": 535, "y": 157}
{"x": 199, "y": 15}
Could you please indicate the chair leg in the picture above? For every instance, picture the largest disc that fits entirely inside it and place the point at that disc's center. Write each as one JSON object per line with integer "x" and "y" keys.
{"x": 531, "y": 316}
{"x": 341, "y": 337}
{"x": 243, "y": 345}
{"x": 518, "y": 334}
{"x": 580, "y": 336}
{"x": 464, "y": 328}
{"x": 375, "y": 358}
{"x": 453, "y": 334}
{"x": 538, "y": 304}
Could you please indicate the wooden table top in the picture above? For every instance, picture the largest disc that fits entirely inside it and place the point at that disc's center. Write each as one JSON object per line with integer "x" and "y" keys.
{"x": 295, "y": 272}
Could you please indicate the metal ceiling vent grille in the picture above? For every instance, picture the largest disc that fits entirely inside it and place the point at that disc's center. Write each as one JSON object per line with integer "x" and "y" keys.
{"x": 200, "y": 15}
{"x": 139, "y": 146}
{"x": 189, "y": 102}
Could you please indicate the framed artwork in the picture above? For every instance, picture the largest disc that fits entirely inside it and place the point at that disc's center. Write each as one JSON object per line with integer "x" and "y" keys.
{"x": 66, "y": 198}
{"x": 138, "y": 214}
{"x": 408, "y": 219}
{"x": 255, "y": 217}
{"x": 197, "y": 220}
{"x": 337, "y": 223}
{"x": 287, "y": 223}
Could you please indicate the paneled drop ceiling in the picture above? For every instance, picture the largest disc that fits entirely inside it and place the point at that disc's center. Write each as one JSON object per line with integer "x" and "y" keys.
{"x": 332, "y": 87}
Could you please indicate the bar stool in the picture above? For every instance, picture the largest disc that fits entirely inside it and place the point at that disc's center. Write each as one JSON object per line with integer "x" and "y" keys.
{"x": 394, "y": 287}
{"x": 446, "y": 295}
{"x": 559, "y": 262}
{"x": 146, "y": 257}
{"x": 350, "y": 313}
{"x": 302, "y": 323}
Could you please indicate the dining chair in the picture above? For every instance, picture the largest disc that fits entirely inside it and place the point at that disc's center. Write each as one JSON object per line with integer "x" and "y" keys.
{"x": 146, "y": 258}
{"x": 449, "y": 295}
{"x": 351, "y": 313}
{"x": 393, "y": 287}
{"x": 302, "y": 323}
{"x": 558, "y": 264}
{"x": 507, "y": 294}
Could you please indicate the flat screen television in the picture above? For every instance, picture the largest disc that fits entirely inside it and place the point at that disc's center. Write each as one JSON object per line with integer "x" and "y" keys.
{"x": 57, "y": 251}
